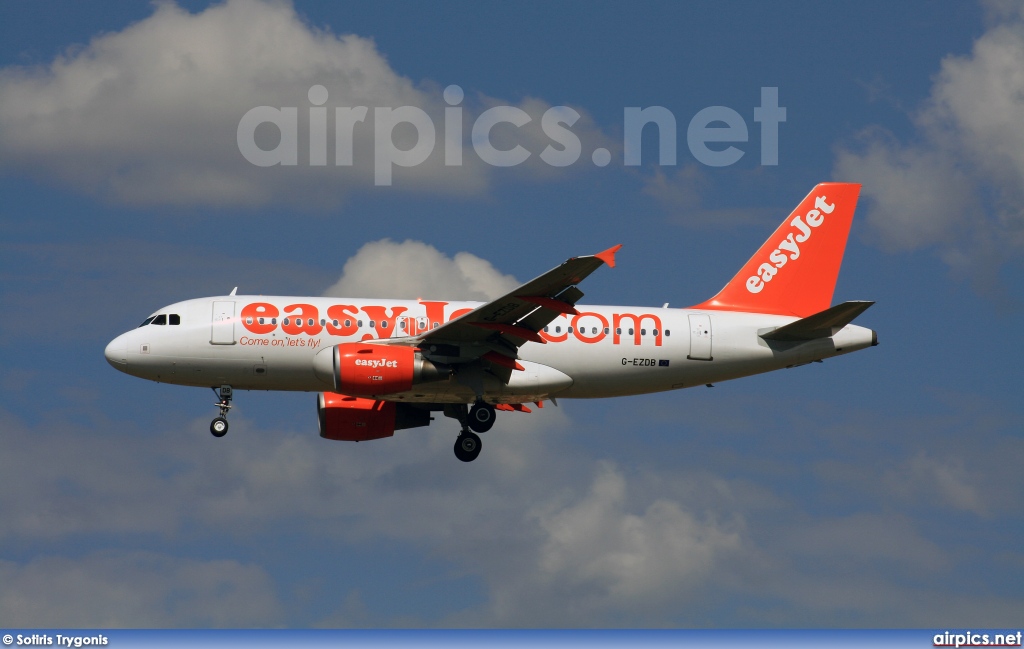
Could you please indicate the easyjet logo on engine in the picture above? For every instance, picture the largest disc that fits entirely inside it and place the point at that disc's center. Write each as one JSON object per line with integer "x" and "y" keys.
{"x": 789, "y": 248}
{"x": 375, "y": 362}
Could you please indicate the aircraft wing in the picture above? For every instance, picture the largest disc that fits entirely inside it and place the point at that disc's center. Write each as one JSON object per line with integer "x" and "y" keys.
{"x": 495, "y": 331}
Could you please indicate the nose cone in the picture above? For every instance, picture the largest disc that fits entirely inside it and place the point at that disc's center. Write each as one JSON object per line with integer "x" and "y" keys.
{"x": 117, "y": 352}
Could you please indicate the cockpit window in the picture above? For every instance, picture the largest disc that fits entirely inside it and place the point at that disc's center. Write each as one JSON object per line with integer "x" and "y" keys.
{"x": 160, "y": 319}
{"x": 148, "y": 320}
{"x": 174, "y": 319}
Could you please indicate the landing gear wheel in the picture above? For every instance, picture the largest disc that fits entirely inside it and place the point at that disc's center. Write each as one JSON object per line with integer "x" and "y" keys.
{"x": 219, "y": 427}
{"x": 481, "y": 417}
{"x": 467, "y": 447}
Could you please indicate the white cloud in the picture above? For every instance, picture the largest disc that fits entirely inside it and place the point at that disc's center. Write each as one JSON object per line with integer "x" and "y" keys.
{"x": 958, "y": 184}
{"x": 943, "y": 481}
{"x": 153, "y": 483}
{"x": 607, "y": 556}
{"x": 413, "y": 269}
{"x": 512, "y": 518}
{"x": 553, "y": 536}
{"x": 135, "y": 589}
{"x": 864, "y": 538}
{"x": 540, "y": 140}
{"x": 150, "y": 114}
{"x": 682, "y": 194}
{"x": 599, "y": 545}
{"x": 916, "y": 197}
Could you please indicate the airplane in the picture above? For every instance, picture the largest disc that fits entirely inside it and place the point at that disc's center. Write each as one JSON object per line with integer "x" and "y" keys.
{"x": 381, "y": 365}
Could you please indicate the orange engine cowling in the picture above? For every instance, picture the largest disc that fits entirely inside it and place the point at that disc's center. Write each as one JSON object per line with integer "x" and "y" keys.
{"x": 352, "y": 419}
{"x": 368, "y": 370}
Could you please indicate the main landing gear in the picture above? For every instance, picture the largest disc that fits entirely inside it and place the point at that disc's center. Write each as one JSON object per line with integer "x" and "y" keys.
{"x": 479, "y": 419}
{"x": 467, "y": 446}
{"x": 219, "y": 426}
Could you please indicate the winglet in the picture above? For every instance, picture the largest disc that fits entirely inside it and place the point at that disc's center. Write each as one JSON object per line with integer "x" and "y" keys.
{"x": 608, "y": 256}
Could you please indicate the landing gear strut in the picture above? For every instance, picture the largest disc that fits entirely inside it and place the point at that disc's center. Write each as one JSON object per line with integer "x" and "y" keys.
{"x": 467, "y": 446}
{"x": 219, "y": 426}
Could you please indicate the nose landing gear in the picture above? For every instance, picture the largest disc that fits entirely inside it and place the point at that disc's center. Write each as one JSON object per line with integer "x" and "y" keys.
{"x": 219, "y": 426}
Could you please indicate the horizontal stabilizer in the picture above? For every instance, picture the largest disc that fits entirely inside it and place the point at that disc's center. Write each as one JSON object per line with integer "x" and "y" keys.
{"x": 824, "y": 324}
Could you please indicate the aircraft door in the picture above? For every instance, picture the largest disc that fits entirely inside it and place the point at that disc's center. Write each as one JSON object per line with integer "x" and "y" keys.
{"x": 700, "y": 337}
{"x": 223, "y": 332}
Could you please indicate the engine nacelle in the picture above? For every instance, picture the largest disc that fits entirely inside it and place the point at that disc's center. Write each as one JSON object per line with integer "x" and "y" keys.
{"x": 367, "y": 370}
{"x": 352, "y": 419}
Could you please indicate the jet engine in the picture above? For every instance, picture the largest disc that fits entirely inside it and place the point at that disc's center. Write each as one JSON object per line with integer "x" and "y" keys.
{"x": 368, "y": 370}
{"x": 352, "y": 419}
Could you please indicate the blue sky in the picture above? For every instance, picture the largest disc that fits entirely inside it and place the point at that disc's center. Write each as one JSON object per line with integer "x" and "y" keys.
{"x": 879, "y": 489}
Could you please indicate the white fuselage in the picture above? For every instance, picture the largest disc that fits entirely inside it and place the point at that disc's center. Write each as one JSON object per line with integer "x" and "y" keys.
{"x": 604, "y": 351}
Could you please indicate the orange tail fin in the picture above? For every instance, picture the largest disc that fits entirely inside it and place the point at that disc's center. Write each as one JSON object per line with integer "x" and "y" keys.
{"x": 795, "y": 271}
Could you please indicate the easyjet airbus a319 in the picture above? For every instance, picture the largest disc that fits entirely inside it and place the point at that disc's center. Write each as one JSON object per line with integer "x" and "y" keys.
{"x": 382, "y": 365}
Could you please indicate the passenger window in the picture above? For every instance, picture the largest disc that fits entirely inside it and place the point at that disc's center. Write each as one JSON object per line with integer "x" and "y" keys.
{"x": 248, "y": 321}
{"x": 273, "y": 321}
{"x": 373, "y": 324}
{"x": 359, "y": 323}
{"x": 348, "y": 323}
{"x": 558, "y": 330}
{"x": 402, "y": 324}
{"x": 160, "y": 319}
{"x": 545, "y": 329}
{"x": 631, "y": 331}
{"x": 261, "y": 320}
{"x": 654, "y": 332}
{"x": 606, "y": 331}
{"x": 285, "y": 322}
{"x": 309, "y": 322}
{"x": 668, "y": 333}
{"x": 569, "y": 329}
{"x": 618, "y": 331}
{"x": 335, "y": 323}
{"x": 643, "y": 332}
{"x": 175, "y": 319}
{"x": 383, "y": 324}
{"x": 322, "y": 322}
{"x": 435, "y": 325}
